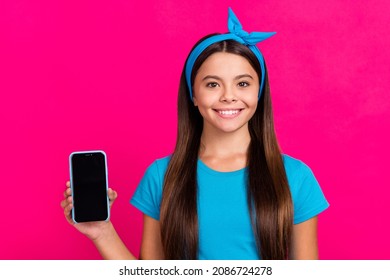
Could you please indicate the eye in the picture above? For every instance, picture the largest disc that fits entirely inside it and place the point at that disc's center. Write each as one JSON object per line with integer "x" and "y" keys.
{"x": 212, "y": 85}
{"x": 243, "y": 84}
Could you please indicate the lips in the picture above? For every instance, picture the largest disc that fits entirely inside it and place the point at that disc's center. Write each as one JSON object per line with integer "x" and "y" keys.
{"x": 228, "y": 113}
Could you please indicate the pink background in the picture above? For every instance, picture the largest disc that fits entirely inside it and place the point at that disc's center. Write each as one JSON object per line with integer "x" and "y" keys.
{"x": 78, "y": 75}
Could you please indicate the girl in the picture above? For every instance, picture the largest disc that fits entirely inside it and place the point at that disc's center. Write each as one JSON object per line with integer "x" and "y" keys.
{"x": 226, "y": 192}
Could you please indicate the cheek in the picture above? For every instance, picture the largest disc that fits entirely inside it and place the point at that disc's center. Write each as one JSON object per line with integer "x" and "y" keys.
{"x": 204, "y": 104}
{"x": 204, "y": 99}
{"x": 251, "y": 101}
{"x": 202, "y": 112}
{"x": 254, "y": 109}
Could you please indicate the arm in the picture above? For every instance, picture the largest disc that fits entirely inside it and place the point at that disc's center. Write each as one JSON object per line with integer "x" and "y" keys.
{"x": 102, "y": 233}
{"x": 151, "y": 246}
{"x": 304, "y": 240}
{"x": 110, "y": 245}
{"x": 107, "y": 240}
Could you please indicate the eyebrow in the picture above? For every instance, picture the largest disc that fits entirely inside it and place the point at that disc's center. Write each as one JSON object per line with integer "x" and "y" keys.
{"x": 219, "y": 78}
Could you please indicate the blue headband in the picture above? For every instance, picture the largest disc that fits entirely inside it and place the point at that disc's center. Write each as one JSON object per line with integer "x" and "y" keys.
{"x": 236, "y": 33}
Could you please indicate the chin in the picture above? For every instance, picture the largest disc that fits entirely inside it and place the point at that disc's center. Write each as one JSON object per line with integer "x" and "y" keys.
{"x": 230, "y": 129}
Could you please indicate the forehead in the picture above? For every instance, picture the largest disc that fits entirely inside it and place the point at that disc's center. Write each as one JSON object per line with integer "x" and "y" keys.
{"x": 226, "y": 64}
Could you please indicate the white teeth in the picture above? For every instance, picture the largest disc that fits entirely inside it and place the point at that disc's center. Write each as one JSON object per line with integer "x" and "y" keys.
{"x": 229, "y": 112}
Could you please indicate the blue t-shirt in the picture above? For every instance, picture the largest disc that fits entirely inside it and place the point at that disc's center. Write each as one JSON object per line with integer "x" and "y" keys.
{"x": 225, "y": 230}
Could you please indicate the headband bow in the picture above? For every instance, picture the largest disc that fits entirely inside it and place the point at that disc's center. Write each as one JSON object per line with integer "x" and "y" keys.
{"x": 250, "y": 39}
{"x": 235, "y": 33}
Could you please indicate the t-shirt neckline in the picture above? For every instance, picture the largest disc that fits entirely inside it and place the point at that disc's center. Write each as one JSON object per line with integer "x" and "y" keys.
{"x": 204, "y": 167}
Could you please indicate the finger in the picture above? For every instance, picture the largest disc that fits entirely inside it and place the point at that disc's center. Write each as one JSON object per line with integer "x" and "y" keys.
{"x": 68, "y": 200}
{"x": 112, "y": 195}
{"x": 68, "y": 216}
{"x": 67, "y": 192}
{"x": 67, "y": 209}
{"x": 67, "y": 184}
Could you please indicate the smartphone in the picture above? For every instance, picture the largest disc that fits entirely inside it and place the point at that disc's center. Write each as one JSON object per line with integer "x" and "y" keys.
{"x": 89, "y": 186}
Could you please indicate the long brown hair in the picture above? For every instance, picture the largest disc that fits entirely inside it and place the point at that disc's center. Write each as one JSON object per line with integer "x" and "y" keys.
{"x": 268, "y": 193}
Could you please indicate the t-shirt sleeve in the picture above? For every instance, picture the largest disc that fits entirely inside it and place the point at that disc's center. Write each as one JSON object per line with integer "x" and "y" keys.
{"x": 308, "y": 198}
{"x": 147, "y": 197}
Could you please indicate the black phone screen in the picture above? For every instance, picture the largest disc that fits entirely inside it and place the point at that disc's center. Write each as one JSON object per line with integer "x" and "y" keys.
{"x": 89, "y": 184}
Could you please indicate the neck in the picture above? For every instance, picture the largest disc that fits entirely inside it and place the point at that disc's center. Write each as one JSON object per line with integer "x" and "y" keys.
{"x": 219, "y": 144}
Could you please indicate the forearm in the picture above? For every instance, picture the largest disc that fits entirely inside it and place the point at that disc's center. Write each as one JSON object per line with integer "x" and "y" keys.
{"x": 304, "y": 244}
{"x": 111, "y": 247}
{"x": 304, "y": 253}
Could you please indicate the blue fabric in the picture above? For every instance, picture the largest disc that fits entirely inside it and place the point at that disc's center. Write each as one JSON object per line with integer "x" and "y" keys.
{"x": 236, "y": 33}
{"x": 225, "y": 230}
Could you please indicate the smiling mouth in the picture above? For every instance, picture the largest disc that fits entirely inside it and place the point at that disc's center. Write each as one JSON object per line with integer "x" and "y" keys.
{"x": 229, "y": 113}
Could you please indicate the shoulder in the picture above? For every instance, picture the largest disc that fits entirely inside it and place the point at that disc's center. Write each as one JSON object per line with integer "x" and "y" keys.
{"x": 299, "y": 176}
{"x": 155, "y": 172}
{"x": 295, "y": 168}
{"x": 292, "y": 163}
{"x": 307, "y": 196}
{"x": 158, "y": 167}
{"x": 148, "y": 194}
{"x": 163, "y": 162}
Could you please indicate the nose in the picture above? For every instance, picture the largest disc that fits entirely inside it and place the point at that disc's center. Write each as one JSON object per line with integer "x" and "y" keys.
{"x": 228, "y": 95}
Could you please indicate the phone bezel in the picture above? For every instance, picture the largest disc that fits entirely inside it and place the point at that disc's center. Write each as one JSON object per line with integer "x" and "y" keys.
{"x": 71, "y": 179}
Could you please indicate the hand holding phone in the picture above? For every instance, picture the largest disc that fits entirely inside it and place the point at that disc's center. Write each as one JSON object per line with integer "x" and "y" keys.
{"x": 89, "y": 186}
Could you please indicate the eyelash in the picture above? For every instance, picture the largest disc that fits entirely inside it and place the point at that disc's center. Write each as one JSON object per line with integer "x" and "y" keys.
{"x": 243, "y": 84}
{"x": 240, "y": 84}
{"x": 212, "y": 85}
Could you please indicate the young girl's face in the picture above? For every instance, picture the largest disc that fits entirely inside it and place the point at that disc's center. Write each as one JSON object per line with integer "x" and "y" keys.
{"x": 226, "y": 90}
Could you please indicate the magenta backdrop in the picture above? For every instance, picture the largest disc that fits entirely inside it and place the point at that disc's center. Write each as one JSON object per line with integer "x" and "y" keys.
{"x": 78, "y": 75}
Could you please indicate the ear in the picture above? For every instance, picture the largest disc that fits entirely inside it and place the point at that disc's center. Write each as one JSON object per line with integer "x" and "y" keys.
{"x": 195, "y": 101}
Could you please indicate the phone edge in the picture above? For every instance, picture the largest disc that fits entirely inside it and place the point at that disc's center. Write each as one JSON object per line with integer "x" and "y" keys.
{"x": 71, "y": 180}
